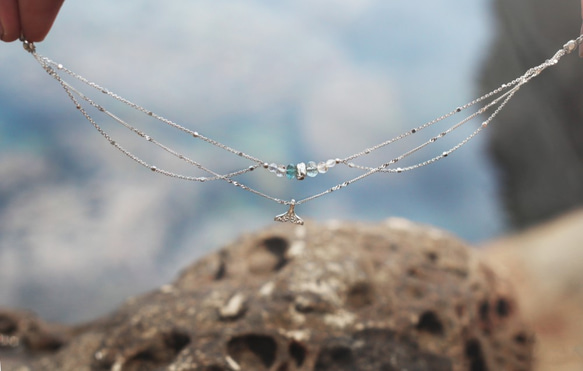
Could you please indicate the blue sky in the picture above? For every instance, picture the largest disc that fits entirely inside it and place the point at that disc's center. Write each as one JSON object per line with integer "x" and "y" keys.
{"x": 82, "y": 227}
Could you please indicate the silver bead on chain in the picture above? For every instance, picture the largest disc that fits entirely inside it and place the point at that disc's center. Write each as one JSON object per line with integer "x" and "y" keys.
{"x": 501, "y": 96}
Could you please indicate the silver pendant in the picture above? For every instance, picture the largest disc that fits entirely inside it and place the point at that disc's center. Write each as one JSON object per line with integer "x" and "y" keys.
{"x": 290, "y": 216}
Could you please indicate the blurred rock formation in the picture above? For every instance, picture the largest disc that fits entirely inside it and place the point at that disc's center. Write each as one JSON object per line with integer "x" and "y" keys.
{"x": 336, "y": 296}
{"x": 545, "y": 265}
{"x": 537, "y": 141}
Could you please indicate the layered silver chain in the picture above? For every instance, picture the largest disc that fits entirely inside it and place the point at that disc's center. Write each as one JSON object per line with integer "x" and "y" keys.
{"x": 492, "y": 102}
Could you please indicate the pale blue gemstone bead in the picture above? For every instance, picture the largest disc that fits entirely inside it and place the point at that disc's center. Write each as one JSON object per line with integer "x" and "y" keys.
{"x": 312, "y": 169}
{"x": 291, "y": 171}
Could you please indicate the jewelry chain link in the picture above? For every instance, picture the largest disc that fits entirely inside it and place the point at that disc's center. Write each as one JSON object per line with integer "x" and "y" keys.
{"x": 502, "y": 95}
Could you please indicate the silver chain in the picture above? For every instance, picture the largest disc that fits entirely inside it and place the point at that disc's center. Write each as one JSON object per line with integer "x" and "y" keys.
{"x": 500, "y": 97}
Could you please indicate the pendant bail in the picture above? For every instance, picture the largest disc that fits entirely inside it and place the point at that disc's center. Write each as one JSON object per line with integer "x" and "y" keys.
{"x": 27, "y": 45}
{"x": 290, "y": 216}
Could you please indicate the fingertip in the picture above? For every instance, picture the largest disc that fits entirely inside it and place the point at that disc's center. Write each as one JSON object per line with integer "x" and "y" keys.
{"x": 34, "y": 37}
{"x": 8, "y": 37}
{"x": 37, "y": 17}
{"x": 9, "y": 21}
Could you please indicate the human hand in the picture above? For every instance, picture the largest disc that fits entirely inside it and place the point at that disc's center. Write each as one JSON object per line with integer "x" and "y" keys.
{"x": 31, "y": 19}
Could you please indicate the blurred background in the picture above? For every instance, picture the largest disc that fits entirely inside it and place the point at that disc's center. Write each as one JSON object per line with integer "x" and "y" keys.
{"x": 82, "y": 227}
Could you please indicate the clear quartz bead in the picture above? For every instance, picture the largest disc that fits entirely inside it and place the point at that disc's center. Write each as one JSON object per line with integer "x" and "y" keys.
{"x": 330, "y": 163}
{"x": 322, "y": 168}
{"x": 312, "y": 169}
{"x": 281, "y": 171}
{"x": 272, "y": 167}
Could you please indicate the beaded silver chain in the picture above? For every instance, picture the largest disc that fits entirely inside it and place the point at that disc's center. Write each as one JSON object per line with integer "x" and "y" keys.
{"x": 493, "y": 102}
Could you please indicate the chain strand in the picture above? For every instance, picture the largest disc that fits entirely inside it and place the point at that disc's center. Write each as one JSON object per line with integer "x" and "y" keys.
{"x": 502, "y": 96}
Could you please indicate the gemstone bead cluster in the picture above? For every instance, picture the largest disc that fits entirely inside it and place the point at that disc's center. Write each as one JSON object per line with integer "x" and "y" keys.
{"x": 301, "y": 170}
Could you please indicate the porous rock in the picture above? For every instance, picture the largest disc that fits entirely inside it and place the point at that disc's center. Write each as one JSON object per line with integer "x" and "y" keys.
{"x": 392, "y": 296}
{"x": 545, "y": 265}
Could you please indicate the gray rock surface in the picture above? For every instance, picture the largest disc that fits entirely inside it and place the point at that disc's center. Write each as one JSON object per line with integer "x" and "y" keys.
{"x": 392, "y": 296}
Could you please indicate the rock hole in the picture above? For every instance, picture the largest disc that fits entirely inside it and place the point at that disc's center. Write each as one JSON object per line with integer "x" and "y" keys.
{"x": 336, "y": 358}
{"x": 278, "y": 247}
{"x": 253, "y": 352}
{"x": 359, "y": 295}
{"x": 268, "y": 256}
{"x": 144, "y": 357}
{"x": 146, "y": 360}
{"x": 176, "y": 341}
{"x": 503, "y": 307}
{"x": 221, "y": 271}
{"x": 298, "y": 353}
{"x": 8, "y": 326}
{"x": 474, "y": 356}
{"x": 521, "y": 338}
{"x": 159, "y": 353}
{"x": 430, "y": 323}
{"x": 432, "y": 256}
{"x": 484, "y": 311}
